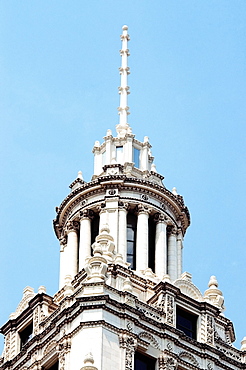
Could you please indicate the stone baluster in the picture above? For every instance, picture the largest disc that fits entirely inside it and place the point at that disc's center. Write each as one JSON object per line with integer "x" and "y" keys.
{"x": 172, "y": 254}
{"x": 142, "y": 238}
{"x": 161, "y": 246}
{"x": 85, "y": 236}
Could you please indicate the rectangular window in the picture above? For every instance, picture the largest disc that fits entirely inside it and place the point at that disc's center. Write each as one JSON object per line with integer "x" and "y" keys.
{"x": 119, "y": 154}
{"x": 136, "y": 157}
{"x": 143, "y": 362}
{"x": 26, "y": 334}
{"x": 186, "y": 322}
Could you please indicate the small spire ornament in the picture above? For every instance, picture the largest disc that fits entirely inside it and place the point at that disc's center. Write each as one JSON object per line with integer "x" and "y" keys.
{"x": 123, "y": 127}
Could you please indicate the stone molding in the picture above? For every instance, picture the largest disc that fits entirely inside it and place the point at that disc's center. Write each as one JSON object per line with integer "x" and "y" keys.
{"x": 156, "y": 191}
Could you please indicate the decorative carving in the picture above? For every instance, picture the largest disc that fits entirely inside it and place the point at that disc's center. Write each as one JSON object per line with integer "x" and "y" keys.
{"x": 144, "y": 196}
{"x": 150, "y": 339}
{"x": 161, "y": 302}
{"x": 186, "y": 356}
{"x": 210, "y": 366}
{"x": 143, "y": 209}
{"x": 188, "y": 288}
{"x": 89, "y": 362}
{"x": 7, "y": 347}
{"x": 28, "y": 294}
{"x": 112, "y": 192}
{"x": 169, "y": 346}
{"x": 129, "y": 344}
{"x": 50, "y": 347}
{"x": 123, "y": 205}
{"x": 36, "y": 321}
{"x": 87, "y": 213}
{"x": 160, "y": 217}
{"x": 129, "y": 326}
{"x": 167, "y": 362}
{"x": 210, "y": 330}
{"x": 149, "y": 313}
{"x": 170, "y": 310}
{"x": 213, "y": 295}
{"x": 72, "y": 226}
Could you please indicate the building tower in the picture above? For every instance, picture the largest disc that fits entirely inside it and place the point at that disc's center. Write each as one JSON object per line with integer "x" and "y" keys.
{"x": 123, "y": 301}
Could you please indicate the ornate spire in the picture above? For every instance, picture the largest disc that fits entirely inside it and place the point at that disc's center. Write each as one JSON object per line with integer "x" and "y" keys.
{"x": 123, "y": 127}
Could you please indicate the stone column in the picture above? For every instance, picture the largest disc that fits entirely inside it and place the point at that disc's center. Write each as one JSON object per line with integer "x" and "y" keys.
{"x": 179, "y": 252}
{"x": 85, "y": 236}
{"x": 172, "y": 254}
{"x": 72, "y": 249}
{"x": 161, "y": 246}
{"x": 122, "y": 230}
{"x": 63, "y": 245}
{"x": 142, "y": 238}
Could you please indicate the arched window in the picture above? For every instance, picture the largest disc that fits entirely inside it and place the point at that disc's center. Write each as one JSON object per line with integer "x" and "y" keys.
{"x": 131, "y": 239}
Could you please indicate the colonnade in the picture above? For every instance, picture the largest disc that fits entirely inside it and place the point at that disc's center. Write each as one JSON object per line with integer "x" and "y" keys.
{"x": 76, "y": 244}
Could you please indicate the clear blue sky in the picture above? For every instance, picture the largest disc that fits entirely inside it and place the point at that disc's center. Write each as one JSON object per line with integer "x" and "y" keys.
{"x": 59, "y": 93}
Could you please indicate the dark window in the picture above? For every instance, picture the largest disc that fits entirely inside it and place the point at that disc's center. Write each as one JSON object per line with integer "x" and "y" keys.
{"x": 94, "y": 227}
{"x": 186, "y": 322}
{"x": 131, "y": 239}
{"x": 26, "y": 335}
{"x": 142, "y": 362}
{"x": 55, "y": 366}
{"x": 152, "y": 230}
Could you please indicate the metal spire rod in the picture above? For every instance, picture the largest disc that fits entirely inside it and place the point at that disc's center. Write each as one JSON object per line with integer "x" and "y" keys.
{"x": 123, "y": 126}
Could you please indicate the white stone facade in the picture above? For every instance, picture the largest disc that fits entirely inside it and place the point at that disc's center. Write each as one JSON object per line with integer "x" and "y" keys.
{"x": 123, "y": 296}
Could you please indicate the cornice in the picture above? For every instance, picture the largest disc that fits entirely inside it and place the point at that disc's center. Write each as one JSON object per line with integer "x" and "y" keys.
{"x": 98, "y": 186}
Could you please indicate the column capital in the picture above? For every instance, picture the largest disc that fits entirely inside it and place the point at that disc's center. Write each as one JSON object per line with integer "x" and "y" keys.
{"x": 160, "y": 217}
{"x": 123, "y": 206}
{"x": 141, "y": 209}
{"x": 63, "y": 240}
{"x": 72, "y": 226}
{"x": 101, "y": 207}
{"x": 172, "y": 230}
{"x": 86, "y": 214}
